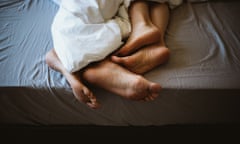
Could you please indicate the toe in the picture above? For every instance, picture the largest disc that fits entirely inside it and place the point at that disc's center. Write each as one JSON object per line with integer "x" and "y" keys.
{"x": 93, "y": 105}
{"x": 149, "y": 98}
{"x": 91, "y": 100}
{"x": 118, "y": 60}
{"x": 154, "y": 89}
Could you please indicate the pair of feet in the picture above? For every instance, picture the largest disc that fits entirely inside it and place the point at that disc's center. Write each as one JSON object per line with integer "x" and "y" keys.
{"x": 120, "y": 73}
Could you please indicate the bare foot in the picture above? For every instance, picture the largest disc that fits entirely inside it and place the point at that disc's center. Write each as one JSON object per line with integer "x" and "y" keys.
{"x": 118, "y": 80}
{"x": 142, "y": 34}
{"x": 145, "y": 59}
{"x": 80, "y": 91}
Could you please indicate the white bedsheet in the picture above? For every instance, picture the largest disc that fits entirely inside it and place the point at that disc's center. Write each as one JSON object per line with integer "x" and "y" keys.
{"x": 85, "y": 31}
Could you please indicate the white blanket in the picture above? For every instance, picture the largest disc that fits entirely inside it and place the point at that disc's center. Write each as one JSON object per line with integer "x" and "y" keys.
{"x": 86, "y": 31}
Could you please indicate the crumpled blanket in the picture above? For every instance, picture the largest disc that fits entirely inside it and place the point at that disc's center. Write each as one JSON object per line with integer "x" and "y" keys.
{"x": 86, "y": 31}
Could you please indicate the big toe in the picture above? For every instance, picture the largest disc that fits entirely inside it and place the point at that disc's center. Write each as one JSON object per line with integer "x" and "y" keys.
{"x": 154, "y": 90}
{"x": 117, "y": 59}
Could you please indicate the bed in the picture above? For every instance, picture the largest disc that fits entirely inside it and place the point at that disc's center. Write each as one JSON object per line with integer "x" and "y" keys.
{"x": 201, "y": 81}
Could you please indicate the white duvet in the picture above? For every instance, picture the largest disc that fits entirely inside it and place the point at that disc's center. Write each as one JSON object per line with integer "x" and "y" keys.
{"x": 86, "y": 31}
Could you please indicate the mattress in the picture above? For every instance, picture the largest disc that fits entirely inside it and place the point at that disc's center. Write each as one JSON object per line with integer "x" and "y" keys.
{"x": 201, "y": 80}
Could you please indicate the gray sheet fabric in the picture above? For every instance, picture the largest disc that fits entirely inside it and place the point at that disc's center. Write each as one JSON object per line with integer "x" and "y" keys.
{"x": 201, "y": 81}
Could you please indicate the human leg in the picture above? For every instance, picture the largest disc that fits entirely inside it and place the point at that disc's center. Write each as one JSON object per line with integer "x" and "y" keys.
{"x": 153, "y": 55}
{"x": 118, "y": 80}
{"x": 144, "y": 32}
{"x": 145, "y": 59}
{"x": 160, "y": 17}
{"x": 81, "y": 92}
